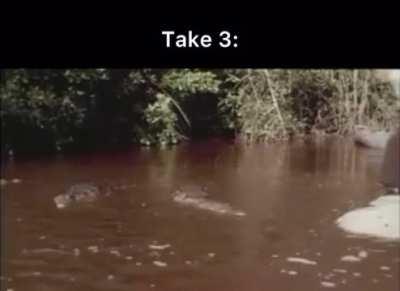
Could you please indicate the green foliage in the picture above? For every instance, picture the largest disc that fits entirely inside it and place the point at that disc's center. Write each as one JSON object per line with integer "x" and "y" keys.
{"x": 60, "y": 109}
{"x": 266, "y": 105}
{"x": 259, "y": 105}
{"x": 176, "y": 93}
{"x": 47, "y": 103}
{"x": 73, "y": 107}
{"x": 189, "y": 82}
{"x": 161, "y": 121}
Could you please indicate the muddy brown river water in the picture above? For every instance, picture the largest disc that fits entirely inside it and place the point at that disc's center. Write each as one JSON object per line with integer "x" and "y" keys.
{"x": 139, "y": 238}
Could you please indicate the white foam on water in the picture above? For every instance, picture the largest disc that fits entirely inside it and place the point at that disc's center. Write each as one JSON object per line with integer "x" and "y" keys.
{"x": 160, "y": 264}
{"x": 301, "y": 261}
{"x": 350, "y": 258}
{"x": 357, "y": 274}
{"x": 380, "y": 219}
{"x": 327, "y": 284}
{"x": 384, "y": 268}
{"x": 159, "y": 247}
{"x": 362, "y": 254}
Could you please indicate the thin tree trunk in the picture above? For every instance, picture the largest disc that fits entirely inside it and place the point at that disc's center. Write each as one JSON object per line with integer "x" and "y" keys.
{"x": 355, "y": 97}
{"x": 274, "y": 100}
{"x": 364, "y": 98}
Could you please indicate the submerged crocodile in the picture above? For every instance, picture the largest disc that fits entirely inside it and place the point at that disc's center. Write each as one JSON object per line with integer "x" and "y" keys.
{"x": 87, "y": 192}
{"x": 197, "y": 197}
{"x": 77, "y": 193}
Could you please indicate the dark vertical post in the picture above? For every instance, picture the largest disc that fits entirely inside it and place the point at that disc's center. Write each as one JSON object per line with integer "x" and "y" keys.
{"x": 391, "y": 162}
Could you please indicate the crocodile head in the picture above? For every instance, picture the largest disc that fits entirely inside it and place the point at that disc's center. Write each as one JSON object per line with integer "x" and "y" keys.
{"x": 77, "y": 193}
{"x": 193, "y": 191}
{"x": 63, "y": 200}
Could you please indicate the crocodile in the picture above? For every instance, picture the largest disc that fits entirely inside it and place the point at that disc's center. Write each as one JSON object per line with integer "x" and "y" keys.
{"x": 87, "y": 192}
{"x": 77, "y": 193}
{"x": 197, "y": 197}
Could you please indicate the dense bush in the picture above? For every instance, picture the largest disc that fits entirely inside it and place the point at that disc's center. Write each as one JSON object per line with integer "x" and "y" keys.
{"x": 50, "y": 110}
{"x": 45, "y": 110}
{"x": 274, "y": 104}
{"x": 41, "y": 109}
{"x": 259, "y": 106}
{"x": 177, "y": 94}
